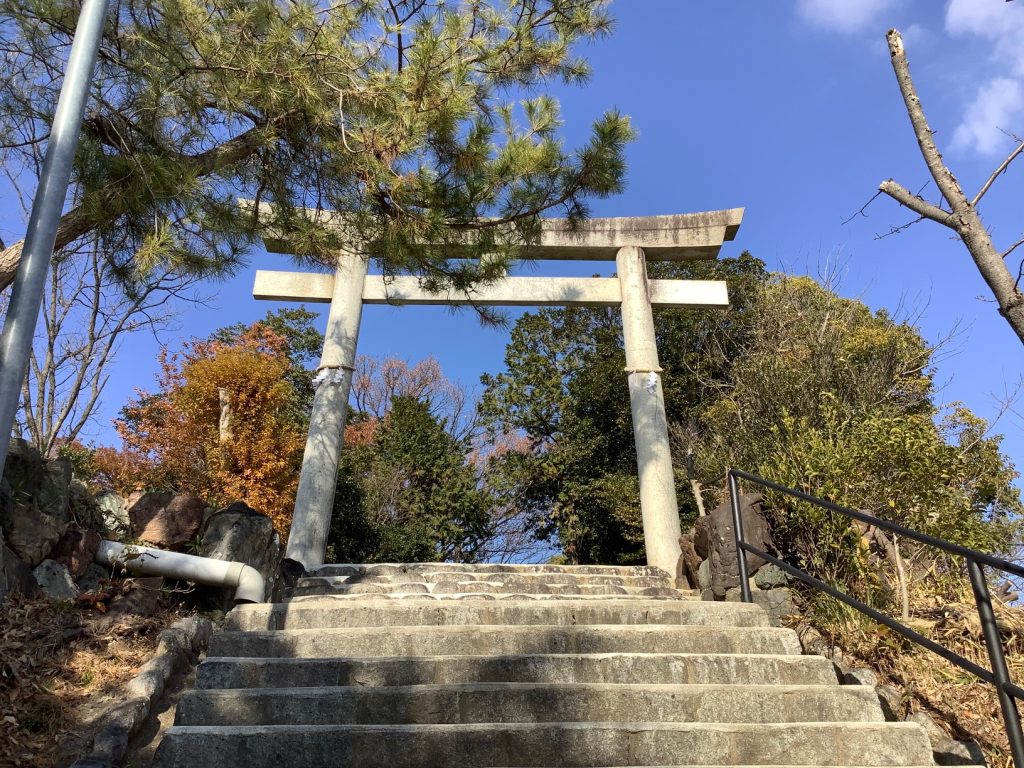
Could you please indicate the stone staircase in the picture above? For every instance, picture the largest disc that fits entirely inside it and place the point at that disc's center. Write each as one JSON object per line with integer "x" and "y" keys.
{"x": 454, "y": 666}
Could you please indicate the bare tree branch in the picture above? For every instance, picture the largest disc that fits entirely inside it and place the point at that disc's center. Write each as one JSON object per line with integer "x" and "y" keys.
{"x": 896, "y": 230}
{"x": 1013, "y": 247}
{"x": 87, "y": 314}
{"x": 918, "y": 205}
{"x": 997, "y": 173}
{"x": 944, "y": 179}
{"x": 862, "y": 210}
{"x": 962, "y": 216}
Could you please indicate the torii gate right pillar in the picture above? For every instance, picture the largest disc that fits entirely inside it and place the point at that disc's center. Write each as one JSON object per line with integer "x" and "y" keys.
{"x": 650, "y": 427}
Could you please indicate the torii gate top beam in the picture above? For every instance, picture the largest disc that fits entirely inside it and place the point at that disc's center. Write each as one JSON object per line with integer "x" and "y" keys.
{"x": 677, "y": 237}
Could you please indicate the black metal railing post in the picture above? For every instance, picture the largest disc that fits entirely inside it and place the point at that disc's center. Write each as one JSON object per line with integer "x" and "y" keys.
{"x": 737, "y": 526}
{"x": 998, "y": 675}
{"x": 1000, "y": 671}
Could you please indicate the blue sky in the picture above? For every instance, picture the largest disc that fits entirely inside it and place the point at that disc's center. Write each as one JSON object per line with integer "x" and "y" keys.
{"x": 789, "y": 109}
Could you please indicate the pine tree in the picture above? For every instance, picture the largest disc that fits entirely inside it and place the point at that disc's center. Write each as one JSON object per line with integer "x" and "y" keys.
{"x": 399, "y": 114}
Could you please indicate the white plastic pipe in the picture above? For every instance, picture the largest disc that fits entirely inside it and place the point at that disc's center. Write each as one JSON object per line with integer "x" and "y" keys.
{"x": 146, "y": 561}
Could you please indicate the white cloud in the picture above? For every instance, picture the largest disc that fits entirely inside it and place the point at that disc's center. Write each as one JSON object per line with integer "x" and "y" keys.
{"x": 846, "y": 16}
{"x": 915, "y": 36}
{"x": 999, "y": 101}
{"x": 996, "y": 20}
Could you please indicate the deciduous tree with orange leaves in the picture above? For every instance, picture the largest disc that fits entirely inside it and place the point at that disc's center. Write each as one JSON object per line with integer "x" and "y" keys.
{"x": 221, "y": 426}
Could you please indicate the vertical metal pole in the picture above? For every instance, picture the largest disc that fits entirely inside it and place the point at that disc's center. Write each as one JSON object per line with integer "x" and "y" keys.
{"x": 30, "y": 279}
{"x": 1000, "y": 672}
{"x": 318, "y": 478}
{"x": 737, "y": 527}
{"x": 658, "y": 506}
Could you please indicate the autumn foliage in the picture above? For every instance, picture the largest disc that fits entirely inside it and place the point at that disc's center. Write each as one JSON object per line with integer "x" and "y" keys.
{"x": 218, "y": 427}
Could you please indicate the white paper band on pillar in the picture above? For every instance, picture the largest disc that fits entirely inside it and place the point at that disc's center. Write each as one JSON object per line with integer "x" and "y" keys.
{"x": 330, "y": 376}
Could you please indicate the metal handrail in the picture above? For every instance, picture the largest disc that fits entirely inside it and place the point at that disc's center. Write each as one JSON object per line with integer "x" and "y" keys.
{"x": 998, "y": 675}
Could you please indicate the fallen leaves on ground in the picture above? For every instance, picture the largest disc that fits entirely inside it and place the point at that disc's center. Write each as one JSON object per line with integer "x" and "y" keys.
{"x": 58, "y": 666}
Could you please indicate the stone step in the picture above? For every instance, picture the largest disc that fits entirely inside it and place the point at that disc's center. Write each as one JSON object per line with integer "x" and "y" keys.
{"x": 330, "y": 611}
{"x": 639, "y": 668}
{"x": 530, "y": 703}
{"x": 499, "y": 640}
{"x": 553, "y": 580}
{"x": 525, "y": 745}
{"x": 485, "y": 568}
{"x": 334, "y": 585}
{"x": 426, "y": 597}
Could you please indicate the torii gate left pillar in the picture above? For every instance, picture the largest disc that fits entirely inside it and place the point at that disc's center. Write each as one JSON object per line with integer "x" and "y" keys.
{"x": 318, "y": 478}
{"x": 672, "y": 237}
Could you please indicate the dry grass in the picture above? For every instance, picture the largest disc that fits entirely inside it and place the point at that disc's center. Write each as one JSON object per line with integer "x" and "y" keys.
{"x": 967, "y": 707}
{"x": 59, "y": 667}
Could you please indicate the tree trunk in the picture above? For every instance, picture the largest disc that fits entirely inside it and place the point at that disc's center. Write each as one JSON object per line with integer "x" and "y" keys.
{"x": 75, "y": 224}
{"x": 962, "y": 214}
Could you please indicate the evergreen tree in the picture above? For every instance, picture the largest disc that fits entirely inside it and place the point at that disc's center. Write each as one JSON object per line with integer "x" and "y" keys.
{"x": 399, "y": 114}
{"x": 408, "y": 493}
{"x": 565, "y": 390}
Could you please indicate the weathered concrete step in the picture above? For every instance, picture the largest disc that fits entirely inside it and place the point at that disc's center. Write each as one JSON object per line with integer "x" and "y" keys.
{"x": 531, "y": 703}
{"x": 332, "y": 585}
{"x": 499, "y": 640}
{"x": 639, "y": 668}
{"x": 523, "y": 745}
{"x": 668, "y": 595}
{"x": 329, "y": 611}
{"x": 349, "y": 569}
{"x": 525, "y": 580}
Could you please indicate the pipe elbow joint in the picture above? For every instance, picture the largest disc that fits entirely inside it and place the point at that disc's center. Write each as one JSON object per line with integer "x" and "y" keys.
{"x": 251, "y": 588}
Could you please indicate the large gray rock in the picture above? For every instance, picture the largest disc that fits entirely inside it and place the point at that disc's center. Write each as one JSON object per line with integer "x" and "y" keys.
{"x": 113, "y": 512}
{"x": 33, "y": 502}
{"x": 84, "y": 509}
{"x": 771, "y": 576}
{"x": 893, "y": 701}
{"x": 704, "y": 575}
{"x": 76, "y": 550}
{"x": 165, "y": 520}
{"x": 23, "y": 469}
{"x": 15, "y": 575}
{"x": 32, "y": 534}
{"x": 945, "y": 749}
{"x": 55, "y": 581}
{"x": 861, "y": 676}
{"x": 93, "y": 578}
{"x": 241, "y": 534}
{"x": 715, "y": 541}
{"x": 777, "y": 603}
{"x": 54, "y": 495}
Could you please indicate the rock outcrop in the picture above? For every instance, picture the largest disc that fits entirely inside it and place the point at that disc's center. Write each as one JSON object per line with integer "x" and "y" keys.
{"x": 241, "y": 534}
{"x": 165, "y": 520}
{"x": 715, "y": 541}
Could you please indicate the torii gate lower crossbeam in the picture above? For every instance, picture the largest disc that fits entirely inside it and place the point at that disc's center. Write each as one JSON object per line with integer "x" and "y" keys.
{"x": 351, "y": 287}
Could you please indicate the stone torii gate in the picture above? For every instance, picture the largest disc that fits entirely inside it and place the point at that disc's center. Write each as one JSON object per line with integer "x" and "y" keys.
{"x": 631, "y": 241}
